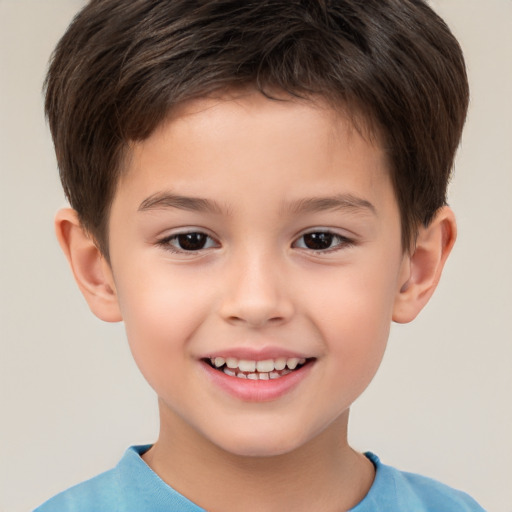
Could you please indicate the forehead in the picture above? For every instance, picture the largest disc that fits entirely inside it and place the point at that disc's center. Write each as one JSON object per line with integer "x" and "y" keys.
{"x": 211, "y": 143}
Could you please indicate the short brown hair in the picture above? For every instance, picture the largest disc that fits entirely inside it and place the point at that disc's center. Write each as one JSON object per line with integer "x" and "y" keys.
{"x": 123, "y": 64}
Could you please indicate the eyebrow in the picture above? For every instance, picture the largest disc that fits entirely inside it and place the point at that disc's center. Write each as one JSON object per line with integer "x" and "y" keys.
{"x": 338, "y": 202}
{"x": 163, "y": 200}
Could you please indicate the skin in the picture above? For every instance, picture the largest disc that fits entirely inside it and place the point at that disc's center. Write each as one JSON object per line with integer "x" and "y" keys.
{"x": 256, "y": 285}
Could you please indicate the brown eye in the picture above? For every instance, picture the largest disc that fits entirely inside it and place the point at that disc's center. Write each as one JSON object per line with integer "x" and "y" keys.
{"x": 322, "y": 241}
{"x": 191, "y": 241}
{"x": 318, "y": 241}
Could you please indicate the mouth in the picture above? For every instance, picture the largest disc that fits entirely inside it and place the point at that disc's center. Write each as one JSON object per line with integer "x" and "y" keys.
{"x": 267, "y": 369}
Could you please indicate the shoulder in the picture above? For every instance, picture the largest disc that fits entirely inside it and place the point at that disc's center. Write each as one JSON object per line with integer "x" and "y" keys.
{"x": 408, "y": 492}
{"x": 130, "y": 486}
{"x": 99, "y": 492}
{"x": 434, "y": 495}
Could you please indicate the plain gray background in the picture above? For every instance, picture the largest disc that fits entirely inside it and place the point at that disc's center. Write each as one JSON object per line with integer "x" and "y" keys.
{"x": 71, "y": 398}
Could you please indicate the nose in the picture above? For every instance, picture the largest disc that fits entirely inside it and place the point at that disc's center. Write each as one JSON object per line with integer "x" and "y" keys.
{"x": 256, "y": 293}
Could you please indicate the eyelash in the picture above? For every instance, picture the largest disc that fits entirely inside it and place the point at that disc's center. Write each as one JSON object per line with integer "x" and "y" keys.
{"x": 342, "y": 242}
{"x": 166, "y": 242}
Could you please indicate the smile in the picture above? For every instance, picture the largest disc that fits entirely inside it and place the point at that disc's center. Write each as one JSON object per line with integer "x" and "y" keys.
{"x": 257, "y": 378}
{"x": 268, "y": 369}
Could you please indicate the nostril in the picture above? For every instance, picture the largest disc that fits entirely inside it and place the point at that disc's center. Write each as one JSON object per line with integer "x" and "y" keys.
{"x": 256, "y": 297}
{"x": 253, "y": 320}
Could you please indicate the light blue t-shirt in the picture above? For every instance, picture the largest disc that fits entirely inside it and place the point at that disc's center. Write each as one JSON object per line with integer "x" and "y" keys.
{"x": 133, "y": 487}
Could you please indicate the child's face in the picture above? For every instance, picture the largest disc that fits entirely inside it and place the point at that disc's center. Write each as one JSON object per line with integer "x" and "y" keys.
{"x": 293, "y": 252}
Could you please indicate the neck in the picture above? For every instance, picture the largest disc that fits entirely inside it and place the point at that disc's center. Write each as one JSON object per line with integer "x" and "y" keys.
{"x": 324, "y": 474}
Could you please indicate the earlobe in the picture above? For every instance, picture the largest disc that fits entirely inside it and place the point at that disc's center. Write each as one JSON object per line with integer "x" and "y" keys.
{"x": 423, "y": 267}
{"x": 92, "y": 273}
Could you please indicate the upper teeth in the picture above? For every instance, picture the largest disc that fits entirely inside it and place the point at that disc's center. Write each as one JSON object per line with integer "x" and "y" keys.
{"x": 265, "y": 366}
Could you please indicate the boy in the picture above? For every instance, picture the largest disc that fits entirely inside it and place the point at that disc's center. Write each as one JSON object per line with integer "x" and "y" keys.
{"x": 258, "y": 190}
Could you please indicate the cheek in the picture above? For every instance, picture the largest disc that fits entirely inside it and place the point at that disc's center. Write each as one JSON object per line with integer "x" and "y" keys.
{"x": 354, "y": 319}
{"x": 346, "y": 302}
{"x": 161, "y": 314}
{"x": 154, "y": 299}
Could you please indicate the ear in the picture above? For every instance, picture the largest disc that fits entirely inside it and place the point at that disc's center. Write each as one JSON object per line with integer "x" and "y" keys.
{"x": 92, "y": 272}
{"x": 423, "y": 267}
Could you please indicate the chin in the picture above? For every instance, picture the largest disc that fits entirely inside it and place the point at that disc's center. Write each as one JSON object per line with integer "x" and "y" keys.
{"x": 258, "y": 450}
{"x": 255, "y": 443}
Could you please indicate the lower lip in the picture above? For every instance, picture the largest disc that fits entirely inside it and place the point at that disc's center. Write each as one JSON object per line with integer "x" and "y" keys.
{"x": 257, "y": 390}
